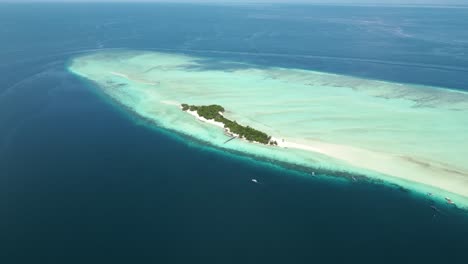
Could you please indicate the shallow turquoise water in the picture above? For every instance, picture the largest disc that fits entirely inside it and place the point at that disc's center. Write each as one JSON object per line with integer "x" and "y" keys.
{"x": 414, "y": 134}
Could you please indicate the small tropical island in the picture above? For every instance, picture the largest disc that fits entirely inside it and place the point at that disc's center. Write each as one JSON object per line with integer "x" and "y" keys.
{"x": 215, "y": 112}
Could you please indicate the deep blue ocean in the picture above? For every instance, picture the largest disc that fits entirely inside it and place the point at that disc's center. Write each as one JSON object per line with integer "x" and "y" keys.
{"x": 82, "y": 181}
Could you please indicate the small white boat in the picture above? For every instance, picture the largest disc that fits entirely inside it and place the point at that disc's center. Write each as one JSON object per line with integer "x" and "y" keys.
{"x": 449, "y": 201}
{"x": 254, "y": 180}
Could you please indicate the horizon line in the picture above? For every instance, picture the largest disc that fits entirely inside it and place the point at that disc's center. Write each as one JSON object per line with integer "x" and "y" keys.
{"x": 233, "y": 2}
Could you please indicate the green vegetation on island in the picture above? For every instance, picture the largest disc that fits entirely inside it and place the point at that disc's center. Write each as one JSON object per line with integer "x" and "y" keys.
{"x": 214, "y": 112}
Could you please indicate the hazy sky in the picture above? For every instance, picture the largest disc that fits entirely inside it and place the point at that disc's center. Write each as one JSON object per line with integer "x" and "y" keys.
{"x": 438, "y": 2}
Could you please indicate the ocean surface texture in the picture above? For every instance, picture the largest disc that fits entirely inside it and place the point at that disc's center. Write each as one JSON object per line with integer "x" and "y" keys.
{"x": 98, "y": 164}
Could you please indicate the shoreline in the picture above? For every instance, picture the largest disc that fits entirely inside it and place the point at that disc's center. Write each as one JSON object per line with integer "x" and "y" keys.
{"x": 231, "y": 127}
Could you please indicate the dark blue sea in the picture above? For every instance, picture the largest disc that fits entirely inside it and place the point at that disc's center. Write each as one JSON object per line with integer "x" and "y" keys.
{"x": 82, "y": 181}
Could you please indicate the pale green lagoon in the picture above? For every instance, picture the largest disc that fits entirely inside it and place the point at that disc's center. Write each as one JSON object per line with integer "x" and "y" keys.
{"x": 414, "y": 136}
